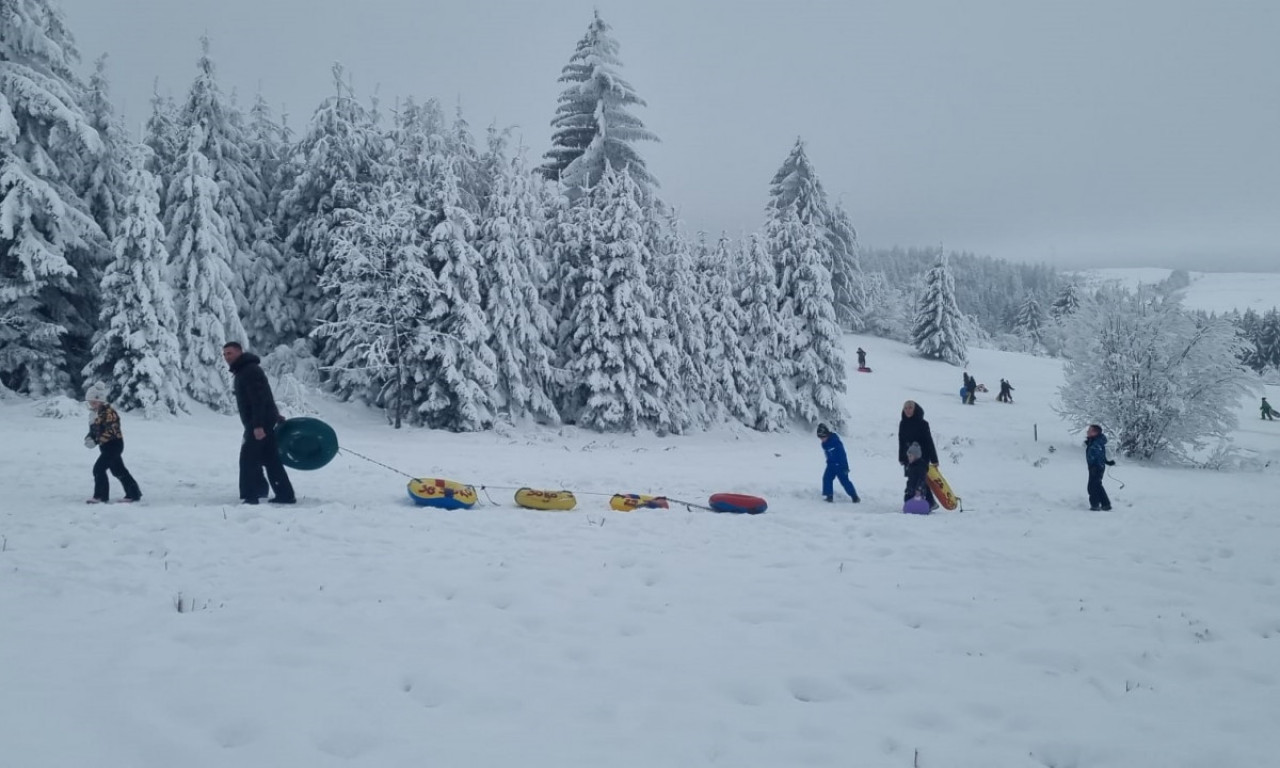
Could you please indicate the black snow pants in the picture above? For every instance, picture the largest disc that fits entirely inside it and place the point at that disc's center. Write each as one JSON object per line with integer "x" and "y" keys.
{"x": 111, "y": 459}
{"x": 255, "y": 456}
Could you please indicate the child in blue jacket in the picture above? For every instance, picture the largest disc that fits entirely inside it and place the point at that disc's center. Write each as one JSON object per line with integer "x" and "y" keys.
{"x": 837, "y": 465}
{"x": 1095, "y": 456}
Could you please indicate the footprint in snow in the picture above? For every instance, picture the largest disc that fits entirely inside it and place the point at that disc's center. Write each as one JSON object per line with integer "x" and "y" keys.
{"x": 814, "y": 690}
{"x": 748, "y": 693}
{"x": 427, "y": 692}
{"x": 345, "y": 744}
{"x": 236, "y": 734}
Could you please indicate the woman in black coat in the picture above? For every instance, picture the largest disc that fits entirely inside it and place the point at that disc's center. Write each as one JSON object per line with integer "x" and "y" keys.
{"x": 914, "y": 429}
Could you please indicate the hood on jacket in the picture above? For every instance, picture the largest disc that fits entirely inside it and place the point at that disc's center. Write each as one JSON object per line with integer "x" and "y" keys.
{"x": 246, "y": 358}
{"x": 916, "y": 417}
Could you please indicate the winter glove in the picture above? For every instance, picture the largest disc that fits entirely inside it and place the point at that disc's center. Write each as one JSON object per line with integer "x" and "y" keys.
{"x": 89, "y": 442}
{"x": 1110, "y": 463}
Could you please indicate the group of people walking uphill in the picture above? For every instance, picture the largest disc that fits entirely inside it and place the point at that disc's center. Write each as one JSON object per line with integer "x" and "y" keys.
{"x": 258, "y": 451}
{"x": 261, "y": 470}
{"x": 917, "y": 452}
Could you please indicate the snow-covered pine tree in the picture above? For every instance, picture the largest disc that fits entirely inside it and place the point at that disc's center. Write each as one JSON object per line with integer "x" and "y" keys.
{"x": 617, "y": 384}
{"x": 200, "y": 270}
{"x": 135, "y": 352}
{"x": 769, "y": 389}
{"x": 515, "y": 266}
{"x": 680, "y": 352}
{"x": 1266, "y": 341}
{"x": 342, "y": 144}
{"x": 889, "y": 313}
{"x": 495, "y": 161}
{"x": 460, "y": 363}
{"x": 567, "y": 236}
{"x": 468, "y": 164}
{"x": 270, "y": 320}
{"x": 594, "y": 126}
{"x": 1150, "y": 373}
{"x": 796, "y": 184}
{"x": 164, "y": 138}
{"x": 382, "y": 286}
{"x": 102, "y": 183}
{"x": 811, "y": 343}
{"x": 938, "y": 330}
{"x": 728, "y": 376}
{"x": 240, "y": 200}
{"x": 1030, "y": 321}
{"x": 48, "y": 278}
{"x": 1067, "y": 301}
{"x": 846, "y": 272}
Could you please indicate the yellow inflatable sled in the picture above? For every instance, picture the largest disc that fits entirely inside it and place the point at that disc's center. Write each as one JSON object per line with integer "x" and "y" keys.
{"x": 560, "y": 501}
{"x": 441, "y": 494}
{"x": 629, "y": 502}
{"x": 941, "y": 488}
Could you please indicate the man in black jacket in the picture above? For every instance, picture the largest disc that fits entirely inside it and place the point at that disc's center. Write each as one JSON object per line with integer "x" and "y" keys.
{"x": 259, "y": 415}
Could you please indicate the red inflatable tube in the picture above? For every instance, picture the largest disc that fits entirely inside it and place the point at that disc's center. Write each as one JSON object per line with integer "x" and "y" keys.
{"x": 738, "y": 503}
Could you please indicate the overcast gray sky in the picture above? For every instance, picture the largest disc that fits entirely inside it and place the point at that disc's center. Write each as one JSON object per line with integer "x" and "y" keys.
{"x": 1080, "y": 133}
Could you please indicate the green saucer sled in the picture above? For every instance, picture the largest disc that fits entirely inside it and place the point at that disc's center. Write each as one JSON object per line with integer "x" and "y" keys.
{"x": 306, "y": 443}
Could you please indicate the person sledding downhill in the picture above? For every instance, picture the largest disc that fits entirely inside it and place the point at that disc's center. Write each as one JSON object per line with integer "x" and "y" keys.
{"x": 913, "y": 430}
{"x": 1095, "y": 456}
{"x": 837, "y": 466}
{"x": 106, "y": 436}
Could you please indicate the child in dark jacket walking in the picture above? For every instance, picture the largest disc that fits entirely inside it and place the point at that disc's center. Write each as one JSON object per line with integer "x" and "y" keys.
{"x": 1095, "y": 456}
{"x": 837, "y": 465}
{"x": 105, "y": 435}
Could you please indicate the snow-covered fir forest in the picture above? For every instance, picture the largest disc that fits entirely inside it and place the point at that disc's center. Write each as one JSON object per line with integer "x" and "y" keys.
{"x": 391, "y": 253}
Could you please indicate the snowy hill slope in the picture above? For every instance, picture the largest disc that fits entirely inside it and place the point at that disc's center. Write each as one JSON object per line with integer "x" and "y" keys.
{"x": 1209, "y": 291}
{"x": 357, "y": 630}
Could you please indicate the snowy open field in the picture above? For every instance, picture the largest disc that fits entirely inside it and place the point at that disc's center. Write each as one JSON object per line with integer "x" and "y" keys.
{"x": 1209, "y": 291}
{"x": 358, "y": 630}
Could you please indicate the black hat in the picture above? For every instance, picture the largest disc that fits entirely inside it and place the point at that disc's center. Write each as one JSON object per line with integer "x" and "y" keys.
{"x": 823, "y": 431}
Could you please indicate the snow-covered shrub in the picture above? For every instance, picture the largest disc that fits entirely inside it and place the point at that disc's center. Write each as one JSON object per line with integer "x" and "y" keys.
{"x": 61, "y": 407}
{"x": 295, "y": 378}
{"x": 1163, "y": 381}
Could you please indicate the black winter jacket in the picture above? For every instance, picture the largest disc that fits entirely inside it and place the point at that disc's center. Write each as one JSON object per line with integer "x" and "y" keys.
{"x": 916, "y": 430}
{"x": 254, "y": 400}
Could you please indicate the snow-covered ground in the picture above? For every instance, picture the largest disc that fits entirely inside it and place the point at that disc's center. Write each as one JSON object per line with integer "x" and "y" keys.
{"x": 358, "y": 630}
{"x": 1209, "y": 291}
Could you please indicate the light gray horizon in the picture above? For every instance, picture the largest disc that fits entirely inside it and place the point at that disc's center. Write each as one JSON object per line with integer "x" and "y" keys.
{"x": 1141, "y": 133}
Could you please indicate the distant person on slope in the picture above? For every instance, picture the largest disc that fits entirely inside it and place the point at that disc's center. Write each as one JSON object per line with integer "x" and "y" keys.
{"x": 259, "y": 415}
{"x": 1095, "y": 456}
{"x": 914, "y": 430}
{"x": 1268, "y": 412}
{"x": 862, "y": 358}
{"x": 970, "y": 389}
{"x": 837, "y": 465}
{"x": 105, "y": 435}
{"x": 1006, "y": 392}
